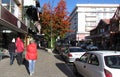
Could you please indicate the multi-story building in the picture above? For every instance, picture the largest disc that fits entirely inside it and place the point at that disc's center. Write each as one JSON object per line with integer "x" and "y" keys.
{"x": 14, "y": 22}
{"x": 14, "y": 7}
{"x": 32, "y": 10}
{"x": 100, "y": 36}
{"x": 107, "y": 33}
{"x": 11, "y": 21}
{"x": 85, "y": 17}
{"x": 115, "y": 30}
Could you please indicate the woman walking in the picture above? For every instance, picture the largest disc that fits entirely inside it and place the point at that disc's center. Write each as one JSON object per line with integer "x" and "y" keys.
{"x": 19, "y": 50}
{"x": 31, "y": 56}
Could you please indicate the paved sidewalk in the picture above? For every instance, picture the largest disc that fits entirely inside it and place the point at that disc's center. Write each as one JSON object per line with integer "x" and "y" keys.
{"x": 47, "y": 65}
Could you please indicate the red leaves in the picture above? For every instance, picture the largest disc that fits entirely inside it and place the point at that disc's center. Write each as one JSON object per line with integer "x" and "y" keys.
{"x": 56, "y": 18}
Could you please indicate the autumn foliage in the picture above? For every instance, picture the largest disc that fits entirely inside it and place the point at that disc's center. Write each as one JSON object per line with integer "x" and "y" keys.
{"x": 55, "y": 19}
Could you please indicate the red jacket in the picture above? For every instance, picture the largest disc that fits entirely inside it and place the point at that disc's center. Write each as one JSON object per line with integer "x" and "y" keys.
{"x": 31, "y": 53}
{"x": 19, "y": 45}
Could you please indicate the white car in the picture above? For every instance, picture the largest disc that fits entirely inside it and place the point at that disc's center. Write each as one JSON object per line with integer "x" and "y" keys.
{"x": 72, "y": 53}
{"x": 99, "y": 64}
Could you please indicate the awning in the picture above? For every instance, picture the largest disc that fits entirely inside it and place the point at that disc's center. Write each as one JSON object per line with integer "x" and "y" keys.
{"x": 104, "y": 35}
{"x": 93, "y": 36}
{"x": 10, "y": 21}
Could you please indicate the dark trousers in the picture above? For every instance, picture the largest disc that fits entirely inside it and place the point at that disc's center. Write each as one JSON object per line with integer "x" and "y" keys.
{"x": 19, "y": 58}
{"x": 11, "y": 57}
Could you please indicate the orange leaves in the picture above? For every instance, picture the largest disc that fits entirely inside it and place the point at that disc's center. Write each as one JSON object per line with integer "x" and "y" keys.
{"x": 55, "y": 20}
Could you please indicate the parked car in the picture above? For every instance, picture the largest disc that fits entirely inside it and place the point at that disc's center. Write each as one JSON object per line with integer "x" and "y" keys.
{"x": 83, "y": 46}
{"x": 57, "y": 47}
{"x": 63, "y": 48}
{"x": 91, "y": 47}
{"x": 72, "y": 53}
{"x": 60, "y": 47}
{"x": 99, "y": 64}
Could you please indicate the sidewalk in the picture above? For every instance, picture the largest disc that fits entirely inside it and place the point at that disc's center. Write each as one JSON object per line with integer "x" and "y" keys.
{"x": 46, "y": 66}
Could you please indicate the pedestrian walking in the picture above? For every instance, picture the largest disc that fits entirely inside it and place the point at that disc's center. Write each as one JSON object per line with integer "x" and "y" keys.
{"x": 31, "y": 56}
{"x": 11, "y": 49}
{"x": 19, "y": 50}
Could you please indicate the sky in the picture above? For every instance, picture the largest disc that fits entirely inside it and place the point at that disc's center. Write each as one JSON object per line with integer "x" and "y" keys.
{"x": 70, "y": 4}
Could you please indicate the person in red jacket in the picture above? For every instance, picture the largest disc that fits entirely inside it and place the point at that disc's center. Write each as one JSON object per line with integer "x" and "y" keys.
{"x": 19, "y": 50}
{"x": 31, "y": 56}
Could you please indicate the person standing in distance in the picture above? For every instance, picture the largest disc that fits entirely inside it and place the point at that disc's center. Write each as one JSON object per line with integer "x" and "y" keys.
{"x": 19, "y": 50}
{"x": 11, "y": 49}
{"x": 31, "y": 56}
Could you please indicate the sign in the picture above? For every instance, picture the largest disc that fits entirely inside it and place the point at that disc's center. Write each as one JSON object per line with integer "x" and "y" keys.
{"x": 19, "y": 24}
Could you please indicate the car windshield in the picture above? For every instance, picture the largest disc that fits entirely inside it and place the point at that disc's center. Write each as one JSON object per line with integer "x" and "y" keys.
{"x": 113, "y": 61}
{"x": 76, "y": 50}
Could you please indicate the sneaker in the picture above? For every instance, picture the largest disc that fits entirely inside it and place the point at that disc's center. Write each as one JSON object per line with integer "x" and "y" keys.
{"x": 30, "y": 74}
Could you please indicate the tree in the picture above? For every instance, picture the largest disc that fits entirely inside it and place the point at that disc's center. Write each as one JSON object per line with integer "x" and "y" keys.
{"x": 45, "y": 19}
{"x": 61, "y": 19}
{"x": 55, "y": 21}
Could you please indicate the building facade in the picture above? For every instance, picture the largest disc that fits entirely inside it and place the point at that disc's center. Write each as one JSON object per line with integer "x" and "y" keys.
{"x": 100, "y": 36}
{"x": 115, "y": 30}
{"x": 85, "y": 17}
{"x": 107, "y": 33}
{"x": 11, "y": 22}
{"x": 33, "y": 11}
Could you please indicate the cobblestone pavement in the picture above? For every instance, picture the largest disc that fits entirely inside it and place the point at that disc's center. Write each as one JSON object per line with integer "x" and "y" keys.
{"x": 47, "y": 65}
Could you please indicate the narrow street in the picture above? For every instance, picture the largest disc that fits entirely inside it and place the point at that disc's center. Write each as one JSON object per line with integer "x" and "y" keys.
{"x": 47, "y": 65}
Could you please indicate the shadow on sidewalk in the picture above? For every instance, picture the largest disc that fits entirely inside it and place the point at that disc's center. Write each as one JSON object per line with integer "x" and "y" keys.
{"x": 65, "y": 70}
{"x": 59, "y": 57}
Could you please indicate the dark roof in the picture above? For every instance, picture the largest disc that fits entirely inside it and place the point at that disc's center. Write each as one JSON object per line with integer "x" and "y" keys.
{"x": 107, "y": 21}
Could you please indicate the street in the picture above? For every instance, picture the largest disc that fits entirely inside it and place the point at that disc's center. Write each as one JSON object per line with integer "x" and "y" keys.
{"x": 47, "y": 65}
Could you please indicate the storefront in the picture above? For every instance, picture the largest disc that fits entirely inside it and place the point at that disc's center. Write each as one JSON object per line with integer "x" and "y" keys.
{"x": 10, "y": 27}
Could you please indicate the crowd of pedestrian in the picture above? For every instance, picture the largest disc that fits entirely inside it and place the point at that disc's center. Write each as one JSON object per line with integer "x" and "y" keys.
{"x": 16, "y": 49}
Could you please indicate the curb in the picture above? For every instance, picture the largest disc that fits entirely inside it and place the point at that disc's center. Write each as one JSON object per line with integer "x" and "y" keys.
{"x": 50, "y": 50}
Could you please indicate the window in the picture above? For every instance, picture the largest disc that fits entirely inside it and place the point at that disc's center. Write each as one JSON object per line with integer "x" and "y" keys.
{"x": 113, "y": 61}
{"x": 93, "y": 60}
{"x": 102, "y": 30}
{"x": 84, "y": 58}
{"x": 77, "y": 50}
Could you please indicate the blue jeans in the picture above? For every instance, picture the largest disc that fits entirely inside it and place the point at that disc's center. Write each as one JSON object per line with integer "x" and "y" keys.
{"x": 11, "y": 57}
{"x": 31, "y": 65}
